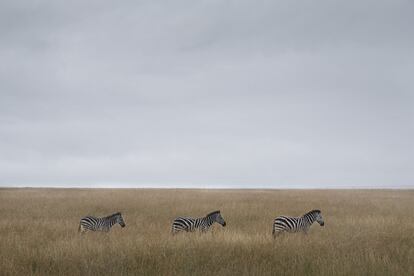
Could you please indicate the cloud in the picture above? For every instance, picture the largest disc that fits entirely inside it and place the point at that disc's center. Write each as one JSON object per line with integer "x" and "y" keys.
{"x": 207, "y": 94}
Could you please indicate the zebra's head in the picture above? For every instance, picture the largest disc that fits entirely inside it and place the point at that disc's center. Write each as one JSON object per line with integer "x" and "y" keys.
{"x": 216, "y": 216}
{"x": 319, "y": 218}
{"x": 120, "y": 219}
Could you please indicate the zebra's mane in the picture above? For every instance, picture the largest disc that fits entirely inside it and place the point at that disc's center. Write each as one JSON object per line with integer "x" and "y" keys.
{"x": 114, "y": 215}
{"x": 312, "y": 212}
{"x": 213, "y": 213}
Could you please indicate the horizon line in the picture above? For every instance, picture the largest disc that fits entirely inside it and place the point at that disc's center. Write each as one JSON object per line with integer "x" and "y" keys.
{"x": 178, "y": 187}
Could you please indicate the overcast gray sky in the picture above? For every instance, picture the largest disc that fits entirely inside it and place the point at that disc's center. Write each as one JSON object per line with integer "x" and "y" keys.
{"x": 207, "y": 93}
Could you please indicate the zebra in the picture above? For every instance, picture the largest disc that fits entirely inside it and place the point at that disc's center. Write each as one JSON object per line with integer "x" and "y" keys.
{"x": 100, "y": 224}
{"x": 202, "y": 224}
{"x": 300, "y": 224}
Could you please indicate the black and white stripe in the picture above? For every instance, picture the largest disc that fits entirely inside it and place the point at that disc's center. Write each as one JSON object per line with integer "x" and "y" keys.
{"x": 90, "y": 223}
{"x": 297, "y": 224}
{"x": 191, "y": 224}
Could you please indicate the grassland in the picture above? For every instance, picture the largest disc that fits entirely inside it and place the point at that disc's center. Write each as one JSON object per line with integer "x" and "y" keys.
{"x": 366, "y": 232}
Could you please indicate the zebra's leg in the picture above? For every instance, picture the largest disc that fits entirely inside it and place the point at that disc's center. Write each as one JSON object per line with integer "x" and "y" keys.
{"x": 81, "y": 229}
{"x": 173, "y": 231}
{"x": 274, "y": 232}
{"x": 305, "y": 230}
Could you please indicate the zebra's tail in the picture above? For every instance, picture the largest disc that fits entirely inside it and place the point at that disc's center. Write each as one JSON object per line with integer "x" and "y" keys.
{"x": 79, "y": 228}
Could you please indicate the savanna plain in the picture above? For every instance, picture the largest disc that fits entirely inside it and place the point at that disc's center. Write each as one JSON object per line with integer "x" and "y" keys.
{"x": 366, "y": 232}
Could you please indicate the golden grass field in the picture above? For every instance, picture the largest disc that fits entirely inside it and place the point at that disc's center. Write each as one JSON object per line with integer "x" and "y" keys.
{"x": 367, "y": 232}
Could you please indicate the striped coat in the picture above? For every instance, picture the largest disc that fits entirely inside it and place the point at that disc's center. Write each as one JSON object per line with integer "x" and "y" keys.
{"x": 191, "y": 224}
{"x": 297, "y": 224}
{"x": 104, "y": 224}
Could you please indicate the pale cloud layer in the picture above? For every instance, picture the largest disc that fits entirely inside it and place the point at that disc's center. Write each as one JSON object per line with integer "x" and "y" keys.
{"x": 207, "y": 93}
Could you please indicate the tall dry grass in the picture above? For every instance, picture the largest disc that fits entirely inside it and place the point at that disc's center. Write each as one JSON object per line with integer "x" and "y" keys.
{"x": 365, "y": 233}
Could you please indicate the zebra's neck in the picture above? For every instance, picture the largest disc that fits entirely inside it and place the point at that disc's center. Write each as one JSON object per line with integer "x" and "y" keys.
{"x": 112, "y": 220}
{"x": 207, "y": 221}
{"x": 309, "y": 218}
